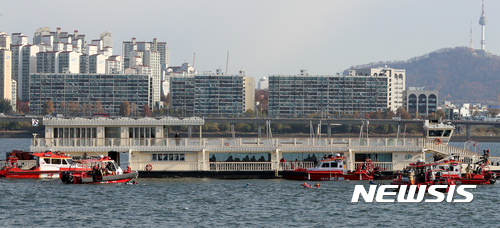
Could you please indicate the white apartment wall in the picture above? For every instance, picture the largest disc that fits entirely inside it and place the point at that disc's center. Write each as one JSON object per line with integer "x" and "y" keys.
{"x": 97, "y": 43}
{"x": 136, "y": 58}
{"x": 48, "y": 40}
{"x": 19, "y": 39}
{"x": 249, "y": 87}
{"x": 91, "y": 50}
{"x": 113, "y": 66}
{"x": 5, "y": 74}
{"x": 58, "y": 46}
{"x": 74, "y": 62}
{"x": 101, "y": 64}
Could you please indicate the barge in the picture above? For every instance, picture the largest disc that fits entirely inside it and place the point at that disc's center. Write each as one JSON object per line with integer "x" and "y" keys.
{"x": 149, "y": 145}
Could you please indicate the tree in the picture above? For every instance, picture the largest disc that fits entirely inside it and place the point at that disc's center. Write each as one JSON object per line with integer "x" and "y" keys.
{"x": 224, "y": 126}
{"x": 48, "y": 108}
{"x": 250, "y": 113}
{"x": 5, "y": 106}
{"x": 146, "y": 111}
{"x": 401, "y": 112}
{"x": 98, "y": 107}
{"x": 388, "y": 114}
{"x": 441, "y": 114}
{"x": 125, "y": 108}
{"x": 356, "y": 115}
{"x": 84, "y": 109}
{"x": 62, "y": 106}
{"x": 493, "y": 112}
{"x": 133, "y": 109}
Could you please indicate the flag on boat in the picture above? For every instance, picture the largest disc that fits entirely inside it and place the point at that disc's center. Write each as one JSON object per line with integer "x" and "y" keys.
{"x": 34, "y": 122}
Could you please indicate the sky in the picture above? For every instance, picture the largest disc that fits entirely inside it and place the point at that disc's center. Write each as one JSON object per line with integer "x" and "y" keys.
{"x": 269, "y": 37}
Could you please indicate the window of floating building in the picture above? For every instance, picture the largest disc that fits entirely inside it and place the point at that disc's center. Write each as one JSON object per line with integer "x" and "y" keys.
{"x": 79, "y": 132}
{"x": 142, "y": 132}
{"x": 112, "y": 132}
{"x": 375, "y": 157}
{"x": 168, "y": 157}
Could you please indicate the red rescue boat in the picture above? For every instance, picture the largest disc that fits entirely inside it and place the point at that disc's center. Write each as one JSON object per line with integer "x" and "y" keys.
{"x": 100, "y": 170}
{"x": 423, "y": 175}
{"x": 36, "y": 165}
{"x": 332, "y": 168}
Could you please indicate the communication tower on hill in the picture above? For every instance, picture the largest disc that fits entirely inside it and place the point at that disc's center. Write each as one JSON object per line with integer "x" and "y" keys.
{"x": 482, "y": 22}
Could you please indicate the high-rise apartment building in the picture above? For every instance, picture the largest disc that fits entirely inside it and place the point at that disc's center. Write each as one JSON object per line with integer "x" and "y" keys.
{"x": 153, "y": 54}
{"x": 13, "y": 90}
{"x": 27, "y": 65}
{"x": 212, "y": 94}
{"x": 304, "y": 94}
{"x": 47, "y": 62}
{"x": 5, "y": 68}
{"x": 396, "y": 83}
{"x": 79, "y": 94}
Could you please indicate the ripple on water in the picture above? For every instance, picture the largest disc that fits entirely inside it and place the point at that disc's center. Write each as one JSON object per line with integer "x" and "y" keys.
{"x": 227, "y": 203}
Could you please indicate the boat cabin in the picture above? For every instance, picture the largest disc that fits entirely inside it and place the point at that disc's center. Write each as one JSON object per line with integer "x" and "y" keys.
{"x": 52, "y": 161}
{"x": 438, "y": 132}
{"x": 331, "y": 163}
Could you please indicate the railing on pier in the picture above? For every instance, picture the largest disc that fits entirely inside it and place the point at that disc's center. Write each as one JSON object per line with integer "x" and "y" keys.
{"x": 290, "y": 165}
{"x": 227, "y": 142}
{"x": 240, "y": 166}
{"x": 389, "y": 166}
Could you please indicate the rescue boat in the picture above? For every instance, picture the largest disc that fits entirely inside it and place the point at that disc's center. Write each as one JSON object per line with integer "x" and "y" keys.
{"x": 477, "y": 174}
{"x": 423, "y": 175}
{"x": 41, "y": 165}
{"x": 332, "y": 168}
{"x": 100, "y": 170}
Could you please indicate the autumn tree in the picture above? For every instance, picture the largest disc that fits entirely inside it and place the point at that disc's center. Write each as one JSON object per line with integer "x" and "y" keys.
{"x": 388, "y": 114}
{"x": 125, "y": 108}
{"x": 401, "y": 112}
{"x": 48, "y": 108}
{"x": 441, "y": 114}
{"x": 146, "y": 111}
{"x": 356, "y": 115}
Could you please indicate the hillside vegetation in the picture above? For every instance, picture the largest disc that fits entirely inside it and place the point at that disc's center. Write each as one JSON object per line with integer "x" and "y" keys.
{"x": 457, "y": 73}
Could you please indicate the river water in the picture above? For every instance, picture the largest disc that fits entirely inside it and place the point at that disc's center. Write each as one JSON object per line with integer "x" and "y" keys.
{"x": 191, "y": 202}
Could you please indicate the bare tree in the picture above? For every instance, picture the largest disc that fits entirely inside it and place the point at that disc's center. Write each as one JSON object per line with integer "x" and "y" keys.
{"x": 98, "y": 107}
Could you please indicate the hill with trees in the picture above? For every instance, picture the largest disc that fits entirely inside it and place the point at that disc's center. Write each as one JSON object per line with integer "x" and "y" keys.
{"x": 459, "y": 74}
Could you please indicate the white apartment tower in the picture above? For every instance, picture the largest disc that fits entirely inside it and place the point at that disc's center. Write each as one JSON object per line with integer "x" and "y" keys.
{"x": 396, "y": 83}
{"x": 5, "y": 68}
{"x": 152, "y": 54}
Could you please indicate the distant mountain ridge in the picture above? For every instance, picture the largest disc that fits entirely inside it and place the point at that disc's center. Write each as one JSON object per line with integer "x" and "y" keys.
{"x": 457, "y": 73}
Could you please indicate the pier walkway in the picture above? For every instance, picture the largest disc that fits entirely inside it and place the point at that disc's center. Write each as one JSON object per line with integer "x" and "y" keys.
{"x": 276, "y": 147}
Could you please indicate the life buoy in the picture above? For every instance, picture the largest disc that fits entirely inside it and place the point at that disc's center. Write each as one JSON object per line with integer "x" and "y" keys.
{"x": 437, "y": 141}
{"x": 149, "y": 167}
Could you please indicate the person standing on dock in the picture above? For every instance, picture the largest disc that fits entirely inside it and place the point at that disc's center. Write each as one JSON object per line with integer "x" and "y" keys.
{"x": 177, "y": 138}
{"x": 282, "y": 163}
